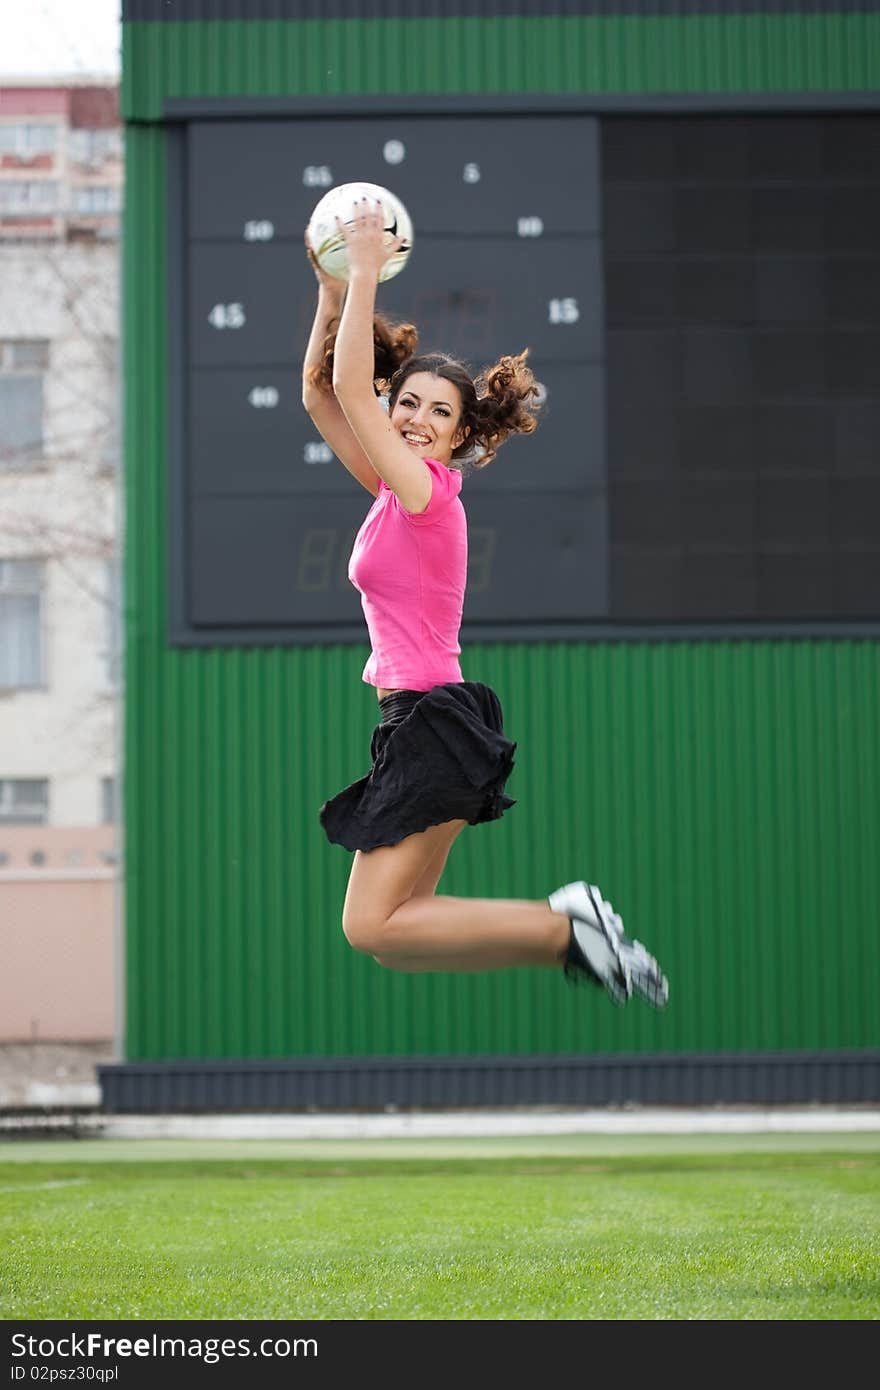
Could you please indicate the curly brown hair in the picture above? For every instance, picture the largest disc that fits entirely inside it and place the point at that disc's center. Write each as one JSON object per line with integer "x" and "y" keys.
{"x": 499, "y": 401}
{"x": 393, "y": 343}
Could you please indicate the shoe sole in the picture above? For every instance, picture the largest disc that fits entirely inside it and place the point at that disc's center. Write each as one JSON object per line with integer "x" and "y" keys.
{"x": 653, "y": 988}
{"x": 643, "y": 977}
{"x": 617, "y": 986}
{"x": 624, "y": 983}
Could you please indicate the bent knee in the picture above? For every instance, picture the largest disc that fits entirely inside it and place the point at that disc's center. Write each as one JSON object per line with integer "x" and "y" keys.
{"x": 364, "y": 932}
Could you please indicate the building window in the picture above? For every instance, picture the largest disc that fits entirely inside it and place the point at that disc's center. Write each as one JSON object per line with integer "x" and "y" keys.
{"x": 21, "y": 627}
{"x": 112, "y": 614}
{"x": 91, "y": 146}
{"x": 98, "y": 198}
{"x": 108, "y": 441}
{"x": 37, "y": 196}
{"x": 109, "y": 800}
{"x": 28, "y": 139}
{"x": 23, "y": 364}
{"x": 24, "y": 801}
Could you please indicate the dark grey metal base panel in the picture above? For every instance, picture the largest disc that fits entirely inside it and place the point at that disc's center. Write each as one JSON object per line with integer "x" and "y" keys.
{"x": 427, "y": 1082}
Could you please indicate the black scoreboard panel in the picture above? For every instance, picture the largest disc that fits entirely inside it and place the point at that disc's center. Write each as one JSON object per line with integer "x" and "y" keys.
{"x": 701, "y": 298}
{"x": 742, "y": 292}
{"x": 457, "y": 176}
{"x": 254, "y": 438}
{"x": 258, "y": 559}
{"x": 506, "y": 256}
{"x": 482, "y": 299}
{"x": 306, "y": 542}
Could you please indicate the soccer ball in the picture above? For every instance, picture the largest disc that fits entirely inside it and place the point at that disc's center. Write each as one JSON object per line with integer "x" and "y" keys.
{"x": 329, "y": 246}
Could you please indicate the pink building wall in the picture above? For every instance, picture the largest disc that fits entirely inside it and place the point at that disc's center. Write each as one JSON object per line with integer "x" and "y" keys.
{"x": 33, "y": 101}
{"x": 57, "y": 911}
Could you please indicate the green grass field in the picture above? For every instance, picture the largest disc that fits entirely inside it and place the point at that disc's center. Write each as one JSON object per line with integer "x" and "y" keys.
{"x": 576, "y": 1227}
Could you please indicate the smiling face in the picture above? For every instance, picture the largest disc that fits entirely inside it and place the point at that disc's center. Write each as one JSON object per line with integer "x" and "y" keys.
{"x": 427, "y": 416}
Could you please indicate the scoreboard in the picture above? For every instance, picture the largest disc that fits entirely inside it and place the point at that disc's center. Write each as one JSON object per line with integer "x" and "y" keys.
{"x": 699, "y": 295}
{"x": 507, "y": 255}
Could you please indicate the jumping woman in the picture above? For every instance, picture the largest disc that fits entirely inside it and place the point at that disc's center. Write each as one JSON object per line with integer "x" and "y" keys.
{"x": 402, "y": 424}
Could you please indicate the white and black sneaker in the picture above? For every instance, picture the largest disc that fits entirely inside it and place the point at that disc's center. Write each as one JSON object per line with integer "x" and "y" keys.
{"x": 600, "y": 951}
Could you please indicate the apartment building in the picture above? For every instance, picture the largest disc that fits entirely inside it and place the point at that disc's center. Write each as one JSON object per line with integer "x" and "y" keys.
{"x": 61, "y": 181}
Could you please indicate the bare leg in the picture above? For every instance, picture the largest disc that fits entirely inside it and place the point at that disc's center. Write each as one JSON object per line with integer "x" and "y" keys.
{"x": 473, "y": 934}
{"x": 426, "y": 886}
{"x": 408, "y": 930}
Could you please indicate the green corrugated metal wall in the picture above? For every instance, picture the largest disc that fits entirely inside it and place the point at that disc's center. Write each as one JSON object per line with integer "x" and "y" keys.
{"x": 700, "y": 53}
{"x": 726, "y": 795}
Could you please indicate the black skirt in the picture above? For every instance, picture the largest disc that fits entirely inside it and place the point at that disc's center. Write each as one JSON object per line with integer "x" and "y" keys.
{"x": 438, "y": 755}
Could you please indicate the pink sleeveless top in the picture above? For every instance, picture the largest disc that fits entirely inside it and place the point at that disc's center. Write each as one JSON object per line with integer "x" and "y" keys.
{"x": 411, "y": 571}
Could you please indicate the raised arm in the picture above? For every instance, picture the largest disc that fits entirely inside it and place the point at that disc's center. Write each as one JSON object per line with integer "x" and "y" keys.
{"x": 399, "y": 466}
{"x": 321, "y": 403}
